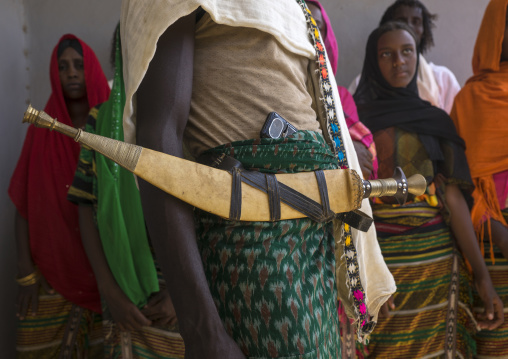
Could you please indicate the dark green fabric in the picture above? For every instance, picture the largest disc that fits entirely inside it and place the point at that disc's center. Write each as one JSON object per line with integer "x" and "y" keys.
{"x": 119, "y": 214}
{"x": 274, "y": 283}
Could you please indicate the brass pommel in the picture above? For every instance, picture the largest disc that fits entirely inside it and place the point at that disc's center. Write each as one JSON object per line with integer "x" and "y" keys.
{"x": 43, "y": 120}
{"x": 399, "y": 186}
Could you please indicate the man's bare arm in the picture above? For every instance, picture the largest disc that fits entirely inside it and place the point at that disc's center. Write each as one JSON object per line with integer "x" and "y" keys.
{"x": 163, "y": 104}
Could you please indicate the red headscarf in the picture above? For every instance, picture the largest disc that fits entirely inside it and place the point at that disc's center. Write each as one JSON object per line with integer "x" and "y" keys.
{"x": 39, "y": 186}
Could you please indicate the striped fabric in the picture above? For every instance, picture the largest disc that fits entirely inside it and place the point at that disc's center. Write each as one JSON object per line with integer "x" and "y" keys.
{"x": 41, "y": 336}
{"x": 149, "y": 343}
{"x": 494, "y": 344}
{"x": 428, "y": 271}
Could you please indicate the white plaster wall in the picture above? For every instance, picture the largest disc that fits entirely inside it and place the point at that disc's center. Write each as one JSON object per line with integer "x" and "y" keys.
{"x": 29, "y": 29}
{"x": 454, "y": 35}
{"x": 13, "y": 97}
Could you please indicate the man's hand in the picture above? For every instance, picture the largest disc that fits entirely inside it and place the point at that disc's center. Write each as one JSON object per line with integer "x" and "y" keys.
{"x": 493, "y": 316}
{"x": 28, "y": 296}
{"x": 160, "y": 309}
{"x": 365, "y": 159}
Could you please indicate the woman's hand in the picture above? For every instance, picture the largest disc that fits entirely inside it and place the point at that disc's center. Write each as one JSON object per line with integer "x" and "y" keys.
{"x": 386, "y": 307}
{"x": 365, "y": 159}
{"x": 160, "y": 309}
{"x": 28, "y": 296}
{"x": 493, "y": 315}
{"x": 499, "y": 236}
{"x": 124, "y": 313}
{"x": 462, "y": 227}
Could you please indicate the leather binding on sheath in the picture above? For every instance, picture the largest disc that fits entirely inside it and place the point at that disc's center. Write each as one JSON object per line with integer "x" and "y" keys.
{"x": 278, "y": 192}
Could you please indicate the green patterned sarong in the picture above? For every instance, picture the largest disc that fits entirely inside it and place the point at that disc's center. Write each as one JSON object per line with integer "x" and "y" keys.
{"x": 274, "y": 283}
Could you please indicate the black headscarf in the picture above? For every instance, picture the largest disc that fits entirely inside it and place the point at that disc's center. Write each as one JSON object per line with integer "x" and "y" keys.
{"x": 381, "y": 106}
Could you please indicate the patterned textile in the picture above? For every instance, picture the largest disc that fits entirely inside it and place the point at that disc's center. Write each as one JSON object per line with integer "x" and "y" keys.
{"x": 326, "y": 88}
{"x": 494, "y": 344}
{"x": 149, "y": 342}
{"x": 274, "y": 283}
{"x": 365, "y": 324}
{"x": 432, "y": 285}
{"x": 43, "y": 335}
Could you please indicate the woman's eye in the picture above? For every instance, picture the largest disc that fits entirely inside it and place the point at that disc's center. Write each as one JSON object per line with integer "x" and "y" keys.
{"x": 408, "y": 51}
{"x": 78, "y": 65}
{"x": 385, "y": 54}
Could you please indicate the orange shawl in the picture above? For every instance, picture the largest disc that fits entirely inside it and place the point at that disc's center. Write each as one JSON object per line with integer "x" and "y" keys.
{"x": 480, "y": 114}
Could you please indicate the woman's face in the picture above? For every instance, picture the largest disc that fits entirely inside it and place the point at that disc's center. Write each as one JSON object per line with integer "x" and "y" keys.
{"x": 396, "y": 54}
{"x": 413, "y": 17}
{"x": 72, "y": 74}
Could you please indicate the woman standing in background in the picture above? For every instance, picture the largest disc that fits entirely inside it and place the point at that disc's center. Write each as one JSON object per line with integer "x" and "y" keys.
{"x": 416, "y": 238}
{"x": 50, "y": 253}
{"x": 480, "y": 114}
{"x": 436, "y": 84}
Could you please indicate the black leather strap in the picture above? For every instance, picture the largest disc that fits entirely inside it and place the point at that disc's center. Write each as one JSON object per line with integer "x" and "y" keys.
{"x": 356, "y": 219}
{"x": 235, "y": 210}
{"x": 288, "y": 195}
{"x": 272, "y": 189}
{"x": 323, "y": 191}
{"x": 278, "y": 192}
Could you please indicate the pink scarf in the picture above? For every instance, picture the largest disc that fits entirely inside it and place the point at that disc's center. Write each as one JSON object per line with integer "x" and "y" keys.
{"x": 357, "y": 130}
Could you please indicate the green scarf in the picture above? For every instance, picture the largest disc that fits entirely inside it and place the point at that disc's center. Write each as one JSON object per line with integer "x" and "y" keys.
{"x": 119, "y": 214}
